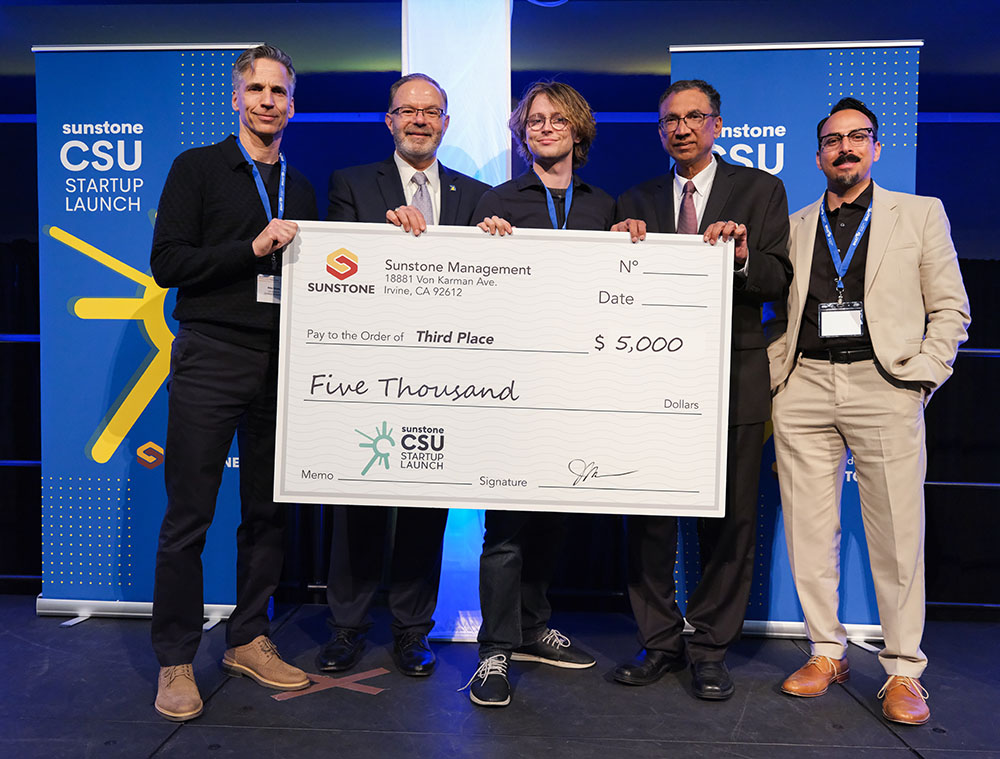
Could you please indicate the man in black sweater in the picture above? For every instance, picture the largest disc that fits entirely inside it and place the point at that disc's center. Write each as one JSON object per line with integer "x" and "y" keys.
{"x": 220, "y": 230}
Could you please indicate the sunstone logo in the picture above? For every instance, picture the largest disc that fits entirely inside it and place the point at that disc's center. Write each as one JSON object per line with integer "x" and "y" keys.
{"x": 341, "y": 264}
{"x": 149, "y": 455}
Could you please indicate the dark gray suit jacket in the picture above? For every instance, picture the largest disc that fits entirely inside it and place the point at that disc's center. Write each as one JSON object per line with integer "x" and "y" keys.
{"x": 365, "y": 193}
{"x": 757, "y": 199}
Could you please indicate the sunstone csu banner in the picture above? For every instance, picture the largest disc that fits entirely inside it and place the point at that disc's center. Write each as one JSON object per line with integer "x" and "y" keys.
{"x": 110, "y": 122}
{"x": 772, "y": 98}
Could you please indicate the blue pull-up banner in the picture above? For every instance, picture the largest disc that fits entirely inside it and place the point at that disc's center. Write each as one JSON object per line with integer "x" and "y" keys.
{"x": 110, "y": 122}
{"x": 773, "y": 96}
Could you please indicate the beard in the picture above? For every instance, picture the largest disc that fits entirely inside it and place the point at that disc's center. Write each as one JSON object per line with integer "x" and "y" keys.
{"x": 411, "y": 150}
{"x": 845, "y": 181}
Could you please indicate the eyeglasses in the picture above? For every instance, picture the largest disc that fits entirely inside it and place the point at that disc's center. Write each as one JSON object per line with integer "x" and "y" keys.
{"x": 407, "y": 112}
{"x": 694, "y": 120}
{"x": 855, "y": 138}
{"x": 557, "y": 122}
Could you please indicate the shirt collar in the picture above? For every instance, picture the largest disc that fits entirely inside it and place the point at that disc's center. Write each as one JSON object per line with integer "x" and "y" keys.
{"x": 531, "y": 179}
{"x": 702, "y": 180}
{"x": 233, "y": 154}
{"x": 861, "y": 202}
{"x": 406, "y": 171}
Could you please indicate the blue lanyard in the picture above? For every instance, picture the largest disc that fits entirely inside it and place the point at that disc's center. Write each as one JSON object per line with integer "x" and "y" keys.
{"x": 841, "y": 264}
{"x": 552, "y": 204}
{"x": 261, "y": 190}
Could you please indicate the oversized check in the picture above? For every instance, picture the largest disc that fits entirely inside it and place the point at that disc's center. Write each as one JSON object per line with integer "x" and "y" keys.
{"x": 546, "y": 371}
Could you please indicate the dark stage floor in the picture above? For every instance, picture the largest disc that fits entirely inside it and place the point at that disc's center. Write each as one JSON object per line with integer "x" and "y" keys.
{"x": 88, "y": 690}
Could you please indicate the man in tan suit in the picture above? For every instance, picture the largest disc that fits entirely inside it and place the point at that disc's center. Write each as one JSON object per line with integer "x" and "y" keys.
{"x": 876, "y": 312}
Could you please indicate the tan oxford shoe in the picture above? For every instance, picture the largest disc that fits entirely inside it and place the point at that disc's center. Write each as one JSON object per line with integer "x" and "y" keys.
{"x": 260, "y": 661}
{"x": 177, "y": 696}
{"x": 905, "y": 700}
{"x": 815, "y": 677}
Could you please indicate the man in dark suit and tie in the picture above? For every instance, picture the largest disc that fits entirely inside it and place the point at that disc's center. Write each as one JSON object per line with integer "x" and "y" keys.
{"x": 708, "y": 196}
{"x": 389, "y": 190}
{"x": 410, "y": 189}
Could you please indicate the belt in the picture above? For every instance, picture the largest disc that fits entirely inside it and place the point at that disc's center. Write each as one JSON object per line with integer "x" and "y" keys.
{"x": 841, "y": 356}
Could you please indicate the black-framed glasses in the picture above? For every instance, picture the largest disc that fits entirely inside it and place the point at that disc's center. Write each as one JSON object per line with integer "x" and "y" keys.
{"x": 694, "y": 120}
{"x": 408, "y": 112}
{"x": 855, "y": 138}
{"x": 557, "y": 122}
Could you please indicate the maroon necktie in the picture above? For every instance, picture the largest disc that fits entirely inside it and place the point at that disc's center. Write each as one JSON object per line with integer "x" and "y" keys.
{"x": 687, "y": 223}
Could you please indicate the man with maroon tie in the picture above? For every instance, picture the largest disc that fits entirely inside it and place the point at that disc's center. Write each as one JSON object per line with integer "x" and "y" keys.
{"x": 708, "y": 196}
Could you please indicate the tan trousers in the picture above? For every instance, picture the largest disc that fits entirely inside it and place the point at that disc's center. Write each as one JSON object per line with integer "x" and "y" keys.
{"x": 822, "y": 410}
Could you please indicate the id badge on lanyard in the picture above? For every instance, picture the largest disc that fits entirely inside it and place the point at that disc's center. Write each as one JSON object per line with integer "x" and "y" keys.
{"x": 843, "y": 318}
{"x": 268, "y": 285}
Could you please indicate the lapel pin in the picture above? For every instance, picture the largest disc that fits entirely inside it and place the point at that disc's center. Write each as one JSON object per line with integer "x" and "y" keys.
{"x": 451, "y": 188}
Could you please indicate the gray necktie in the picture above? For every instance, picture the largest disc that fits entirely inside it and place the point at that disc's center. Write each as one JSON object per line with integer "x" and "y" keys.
{"x": 422, "y": 197}
{"x": 687, "y": 223}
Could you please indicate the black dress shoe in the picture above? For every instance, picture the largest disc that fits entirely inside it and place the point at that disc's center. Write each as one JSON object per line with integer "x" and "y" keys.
{"x": 711, "y": 680}
{"x": 647, "y": 667}
{"x": 412, "y": 654}
{"x": 342, "y": 651}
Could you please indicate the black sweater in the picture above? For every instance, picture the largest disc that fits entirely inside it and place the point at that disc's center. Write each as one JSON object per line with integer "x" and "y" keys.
{"x": 208, "y": 216}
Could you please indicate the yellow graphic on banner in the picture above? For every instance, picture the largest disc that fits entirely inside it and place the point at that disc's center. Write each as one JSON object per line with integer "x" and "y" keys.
{"x": 147, "y": 309}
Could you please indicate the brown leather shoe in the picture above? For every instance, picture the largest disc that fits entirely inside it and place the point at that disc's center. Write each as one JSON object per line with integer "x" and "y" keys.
{"x": 815, "y": 677}
{"x": 905, "y": 700}
{"x": 177, "y": 696}
{"x": 260, "y": 661}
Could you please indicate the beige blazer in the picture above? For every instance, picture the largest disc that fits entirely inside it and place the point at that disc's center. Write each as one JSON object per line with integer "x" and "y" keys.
{"x": 916, "y": 307}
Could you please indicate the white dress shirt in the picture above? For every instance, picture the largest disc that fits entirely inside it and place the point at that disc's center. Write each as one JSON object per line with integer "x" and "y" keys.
{"x": 406, "y": 173}
{"x": 703, "y": 182}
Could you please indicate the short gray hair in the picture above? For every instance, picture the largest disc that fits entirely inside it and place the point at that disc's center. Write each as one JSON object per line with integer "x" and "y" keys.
{"x": 247, "y": 58}
{"x": 409, "y": 78}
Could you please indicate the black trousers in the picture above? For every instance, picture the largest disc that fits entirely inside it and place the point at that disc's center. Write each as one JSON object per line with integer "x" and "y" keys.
{"x": 717, "y": 606}
{"x": 357, "y": 558}
{"x": 216, "y": 390}
{"x": 520, "y": 549}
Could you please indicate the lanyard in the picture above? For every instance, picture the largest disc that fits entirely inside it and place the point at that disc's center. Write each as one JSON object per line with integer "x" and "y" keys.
{"x": 841, "y": 264}
{"x": 552, "y": 205}
{"x": 261, "y": 190}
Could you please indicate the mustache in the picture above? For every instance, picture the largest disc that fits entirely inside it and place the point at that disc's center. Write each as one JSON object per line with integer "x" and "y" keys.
{"x": 846, "y": 158}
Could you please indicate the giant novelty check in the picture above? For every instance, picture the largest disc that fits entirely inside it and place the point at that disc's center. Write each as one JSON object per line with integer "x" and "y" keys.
{"x": 546, "y": 371}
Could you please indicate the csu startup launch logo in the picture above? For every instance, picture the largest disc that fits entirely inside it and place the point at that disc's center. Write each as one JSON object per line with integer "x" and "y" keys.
{"x": 422, "y": 447}
{"x": 342, "y": 264}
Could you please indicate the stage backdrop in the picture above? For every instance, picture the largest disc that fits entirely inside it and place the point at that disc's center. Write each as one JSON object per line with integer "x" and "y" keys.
{"x": 110, "y": 122}
{"x": 772, "y": 98}
{"x": 104, "y": 153}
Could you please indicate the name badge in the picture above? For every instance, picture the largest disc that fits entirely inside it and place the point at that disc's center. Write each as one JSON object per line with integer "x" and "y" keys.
{"x": 268, "y": 288}
{"x": 841, "y": 319}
